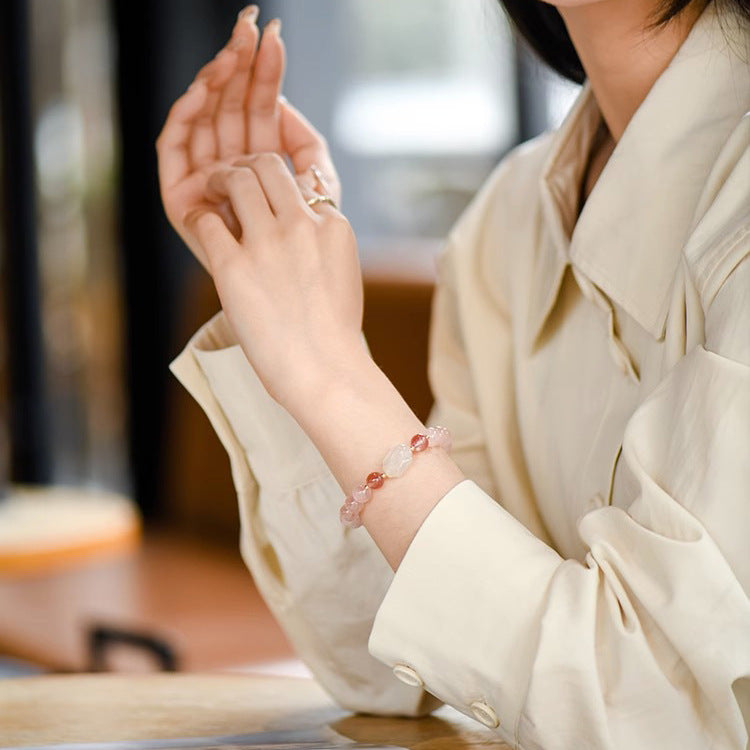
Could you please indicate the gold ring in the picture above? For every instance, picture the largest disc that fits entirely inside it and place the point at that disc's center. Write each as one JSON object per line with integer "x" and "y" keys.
{"x": 321, "y": 199}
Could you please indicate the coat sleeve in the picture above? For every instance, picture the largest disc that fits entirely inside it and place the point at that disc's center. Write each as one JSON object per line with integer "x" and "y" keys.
{"x": 323, "y": 582}
{"x": 645, "y": 644}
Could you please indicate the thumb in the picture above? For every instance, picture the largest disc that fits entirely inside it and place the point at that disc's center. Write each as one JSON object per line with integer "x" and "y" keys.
{"x": 212, "y": 234}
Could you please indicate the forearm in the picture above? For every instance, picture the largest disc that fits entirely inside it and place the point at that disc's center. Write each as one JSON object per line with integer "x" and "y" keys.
{"x": 354, "y": 415}
{"x": 301, "y": 559}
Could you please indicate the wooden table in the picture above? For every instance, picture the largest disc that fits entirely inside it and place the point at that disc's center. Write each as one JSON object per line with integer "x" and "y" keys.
{"x": 177, "y": 588}
{"x": 106, "y": 708}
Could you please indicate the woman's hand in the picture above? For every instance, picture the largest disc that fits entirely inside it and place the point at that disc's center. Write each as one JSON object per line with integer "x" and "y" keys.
{"x": 291, "y": 284}
{"x": 233, "y": 109}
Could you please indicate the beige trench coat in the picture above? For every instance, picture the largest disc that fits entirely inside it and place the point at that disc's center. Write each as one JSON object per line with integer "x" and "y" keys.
{"x": 587, "y": 586}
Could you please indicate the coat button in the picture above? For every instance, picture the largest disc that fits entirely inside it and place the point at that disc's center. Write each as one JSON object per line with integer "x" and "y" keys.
{"x": 484, "y": 713}
{"x": 407, "y": 675}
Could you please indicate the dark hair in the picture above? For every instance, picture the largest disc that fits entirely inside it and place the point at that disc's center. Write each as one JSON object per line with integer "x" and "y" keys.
{"x": 541, "y": 25}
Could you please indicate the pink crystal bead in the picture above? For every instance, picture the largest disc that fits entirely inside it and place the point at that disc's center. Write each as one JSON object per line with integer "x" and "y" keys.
{"x": 439, "y": 437}
{"x": 375, "y": 480}
{"x": 419, "y": 443}
{"x": 349, "y": 514}
{"x": 361, "y": 494}
{"x": 397, "y": 460}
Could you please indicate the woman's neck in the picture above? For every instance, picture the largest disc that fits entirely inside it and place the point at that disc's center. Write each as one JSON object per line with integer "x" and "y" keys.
{"x": 622, "y": 53}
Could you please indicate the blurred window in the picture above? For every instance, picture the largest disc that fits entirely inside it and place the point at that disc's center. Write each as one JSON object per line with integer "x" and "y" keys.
{"x": 417, "y": 100}
{"x": 426, "y": 79}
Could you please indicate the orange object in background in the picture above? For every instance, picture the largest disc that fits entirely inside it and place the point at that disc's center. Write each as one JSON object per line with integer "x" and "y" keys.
{"x": 47, "y": 529}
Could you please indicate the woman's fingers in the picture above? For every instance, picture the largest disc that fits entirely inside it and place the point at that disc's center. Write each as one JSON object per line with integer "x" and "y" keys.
{"x": 306, "y": 147}
{"x": 173, "y": 143}
{"x": 262, "y": 107}
{"x": 263, "y": 192}
{"x": 248, "y": 199}
{"x": 225, "y": 210}
{"x": 203, "y": 141}
{"x": 278, "y": 183}
{"x": 230, "y": 122}
{"x": 212, "y": 234}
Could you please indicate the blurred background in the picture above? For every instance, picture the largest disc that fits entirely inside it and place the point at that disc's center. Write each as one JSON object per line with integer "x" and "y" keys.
{"x": 418, "y": 101}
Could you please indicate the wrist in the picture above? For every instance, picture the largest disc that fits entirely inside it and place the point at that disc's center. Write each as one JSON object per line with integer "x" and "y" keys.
{"x": 323, "y": 378}
{"x": 354, "y": 415}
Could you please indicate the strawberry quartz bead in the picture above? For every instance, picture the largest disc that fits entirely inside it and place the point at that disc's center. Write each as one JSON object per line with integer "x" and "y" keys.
{"x": 439, "y": 437}
{"x": 349, "y": 514}
{"x": 419, "y": 443}
{"x": 361, "y": 494}
{"x": 375, "y": 480}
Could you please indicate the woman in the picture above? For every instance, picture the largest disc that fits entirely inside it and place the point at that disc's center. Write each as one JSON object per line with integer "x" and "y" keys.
{"x": 575, "y": 572}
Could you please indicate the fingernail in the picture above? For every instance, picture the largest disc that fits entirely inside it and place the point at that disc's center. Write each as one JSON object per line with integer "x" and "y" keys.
{"x": 249, "y": 14}
{"x": 274, "y": 26}
{"x": 237, "y": 43}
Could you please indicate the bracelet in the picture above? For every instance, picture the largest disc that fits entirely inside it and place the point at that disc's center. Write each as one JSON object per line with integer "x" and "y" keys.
{"x": 396, "y": 462}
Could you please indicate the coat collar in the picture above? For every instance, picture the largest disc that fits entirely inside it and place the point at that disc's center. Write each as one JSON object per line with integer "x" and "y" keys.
{"x": 630, "y": 234}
